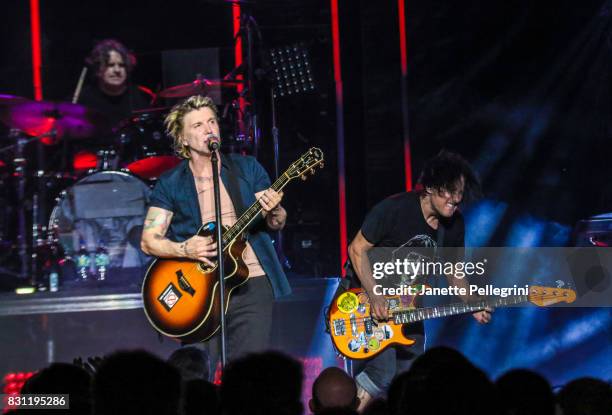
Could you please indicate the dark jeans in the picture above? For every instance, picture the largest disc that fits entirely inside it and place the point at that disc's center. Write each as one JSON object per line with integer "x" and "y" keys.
{"x": 375, "y": 375}
{"x": 248, "y": 319}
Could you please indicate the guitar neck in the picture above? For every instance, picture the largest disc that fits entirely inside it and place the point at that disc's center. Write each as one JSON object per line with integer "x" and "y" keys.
{"x": 251, "y": 213}
{"x": 426, "y": 313}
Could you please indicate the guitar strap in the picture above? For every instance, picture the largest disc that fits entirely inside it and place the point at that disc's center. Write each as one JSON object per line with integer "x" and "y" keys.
{"x": 440, "y": 236}
{"x": 234, "y": 187}
{"x": 439, "y": 244}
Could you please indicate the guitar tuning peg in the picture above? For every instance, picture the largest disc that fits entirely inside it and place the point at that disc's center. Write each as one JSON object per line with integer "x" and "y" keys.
{"x": 321, "y": 165}
{"x": 303, "y": 176}
{"x": 312, "y": 171}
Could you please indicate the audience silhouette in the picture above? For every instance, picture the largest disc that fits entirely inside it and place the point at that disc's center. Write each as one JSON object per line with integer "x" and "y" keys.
{"x": 440, "y": 381}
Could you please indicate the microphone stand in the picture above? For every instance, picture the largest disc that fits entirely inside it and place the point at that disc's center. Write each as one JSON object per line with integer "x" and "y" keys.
{"x": 220, "y": 263}
{"x": 279, "y": 234}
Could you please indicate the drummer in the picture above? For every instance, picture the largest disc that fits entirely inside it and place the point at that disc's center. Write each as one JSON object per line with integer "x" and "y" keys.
{"x": 110, "y": 90}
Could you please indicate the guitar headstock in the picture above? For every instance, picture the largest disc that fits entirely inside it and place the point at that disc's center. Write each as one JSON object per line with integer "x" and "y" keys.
{"x": 306, "y": 164}
{"x": 545, "y": 296}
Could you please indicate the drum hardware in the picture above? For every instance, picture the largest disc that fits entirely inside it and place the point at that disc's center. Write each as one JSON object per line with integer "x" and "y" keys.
{"x": 44, "y": 251}
{"x": 249, "y": 29}
{"x": 27, "y": 249}
{"x": 107, "y": 159}
{"x": 37, "y": 242}
{"x": 19, "y": 163}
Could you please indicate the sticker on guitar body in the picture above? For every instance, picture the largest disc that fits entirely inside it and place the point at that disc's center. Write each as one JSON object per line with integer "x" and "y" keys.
{"x": 363, "y": 298}
{"x": 374, "y": 344}
{"x": 169, "y": 297}
{"x": 347, "y": 302}
{"x": 387, "y": 331}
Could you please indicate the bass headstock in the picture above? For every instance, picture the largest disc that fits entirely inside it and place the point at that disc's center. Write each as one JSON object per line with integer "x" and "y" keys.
{"x": 545, "y": 296}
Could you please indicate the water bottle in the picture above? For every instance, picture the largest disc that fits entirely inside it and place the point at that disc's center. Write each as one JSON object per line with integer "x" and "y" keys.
{"x": 83, "y": 262}
{"x": 53, "y": 280}
{"x": 54, "y": 268}
{"x": 102, "y": 261}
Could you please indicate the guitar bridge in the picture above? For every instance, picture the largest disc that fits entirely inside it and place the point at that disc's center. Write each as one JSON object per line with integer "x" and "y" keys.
{"x": 184, "y": 284}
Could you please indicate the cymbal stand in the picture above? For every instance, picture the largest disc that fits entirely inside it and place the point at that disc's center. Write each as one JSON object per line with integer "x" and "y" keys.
{"x": 20, "y": 173}
{"x": 37, "y": 233}
{"x": 39, "y": 208}
{"x": 247, "y": 26}
{"x": 27, "y": 265}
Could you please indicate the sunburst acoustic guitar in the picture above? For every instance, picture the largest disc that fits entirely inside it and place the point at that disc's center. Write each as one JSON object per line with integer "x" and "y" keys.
{"x": 181, "y": 297}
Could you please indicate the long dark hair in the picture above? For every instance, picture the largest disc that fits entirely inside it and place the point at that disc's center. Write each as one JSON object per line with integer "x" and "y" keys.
{"x": 100, "y": 54}
{"x": 444, "y": 171}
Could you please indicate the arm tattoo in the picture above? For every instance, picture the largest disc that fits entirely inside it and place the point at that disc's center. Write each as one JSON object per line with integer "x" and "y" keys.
{"x": 157, "y": 219}
{"x": 183, "y": 247}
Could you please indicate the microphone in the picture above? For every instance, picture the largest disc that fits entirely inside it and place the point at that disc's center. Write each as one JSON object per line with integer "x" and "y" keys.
{"x": 213, "y": 144}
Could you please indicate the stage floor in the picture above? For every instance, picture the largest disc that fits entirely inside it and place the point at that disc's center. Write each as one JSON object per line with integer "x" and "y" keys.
{"x": 46, "y": 327}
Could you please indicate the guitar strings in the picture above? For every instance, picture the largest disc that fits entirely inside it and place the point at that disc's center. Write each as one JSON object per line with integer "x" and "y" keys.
{"x": 361, "y": 320}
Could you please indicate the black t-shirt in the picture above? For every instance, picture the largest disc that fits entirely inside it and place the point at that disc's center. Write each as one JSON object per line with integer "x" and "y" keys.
{"x": 116, "y": 108}
{"x": 398, "y": 221}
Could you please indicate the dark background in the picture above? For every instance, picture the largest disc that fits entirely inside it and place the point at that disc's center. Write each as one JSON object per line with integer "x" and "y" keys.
{"x": 521, "y": 88}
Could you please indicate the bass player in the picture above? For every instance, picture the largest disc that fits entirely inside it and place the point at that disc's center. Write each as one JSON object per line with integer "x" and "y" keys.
{"x": 410, "y": 219}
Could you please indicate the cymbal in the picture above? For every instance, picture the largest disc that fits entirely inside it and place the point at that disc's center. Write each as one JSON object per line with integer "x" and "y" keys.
{"x": 11, "y": 99}
{"x": 197, "y": 87}
{"x": 45, "y": 117}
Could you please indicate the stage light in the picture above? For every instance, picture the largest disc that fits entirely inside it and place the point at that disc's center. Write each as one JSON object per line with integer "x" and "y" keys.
{"x": 292, "y": 73}
{"x": 13, "y": 382}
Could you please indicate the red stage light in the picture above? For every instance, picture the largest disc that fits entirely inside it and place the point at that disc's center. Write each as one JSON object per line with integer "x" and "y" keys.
{"x": 339, "y": 134}
{"x": 36, "y": 48}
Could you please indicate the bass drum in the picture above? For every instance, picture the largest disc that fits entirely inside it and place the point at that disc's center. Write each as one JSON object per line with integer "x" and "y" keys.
{"x": 104, "y": 209}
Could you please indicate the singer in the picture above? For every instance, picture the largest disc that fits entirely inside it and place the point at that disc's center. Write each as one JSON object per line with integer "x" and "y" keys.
{"x": 183, "y": 199}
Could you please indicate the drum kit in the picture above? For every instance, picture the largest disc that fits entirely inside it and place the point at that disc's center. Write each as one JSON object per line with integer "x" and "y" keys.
{"x": 83, "y": 218}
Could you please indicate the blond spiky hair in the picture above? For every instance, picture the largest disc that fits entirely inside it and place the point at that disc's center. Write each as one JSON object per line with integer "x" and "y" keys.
{"x": 174, "y": 120}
